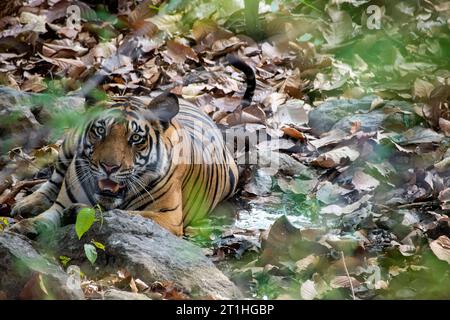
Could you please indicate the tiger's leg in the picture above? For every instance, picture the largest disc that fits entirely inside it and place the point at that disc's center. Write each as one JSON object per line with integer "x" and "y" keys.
{"x": 167, "y": 212}
{"x": 47, "y": 222}
{"x": 43, "y": 224}
{"x": 43, "y": 198}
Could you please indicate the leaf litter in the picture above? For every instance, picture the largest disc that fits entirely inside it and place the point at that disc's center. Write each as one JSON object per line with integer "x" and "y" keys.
{"x": 358, "y": 205}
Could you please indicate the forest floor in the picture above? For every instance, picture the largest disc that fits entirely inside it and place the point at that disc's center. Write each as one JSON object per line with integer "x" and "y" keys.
{"x": 358, "y": 117}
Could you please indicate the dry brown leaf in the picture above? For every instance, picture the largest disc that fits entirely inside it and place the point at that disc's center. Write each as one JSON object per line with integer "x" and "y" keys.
{"x": 441, "y": 248}
{"x": 308, "y": 290}
{"x": 34, "y": 288}
{"x": 422, "y": 89}
{"x": 364, "y": 182}
{"x": 407, "y": 250}
{"x": 443, "y": 165}
{"x": 253, "y": 114}
{"x": 137, "y": 19}
{"x": 36, "y": 21}
{"x": 274, "y": 100}
{"x": 141, "y": 285}
{"x": 293, "y": 84}
{"x": 227, "y": 104}
{"x": 202, "y": 28}
{"x": 344, "y": 282}
{"x": 293, "y": 133}
{"x": 63, "y": 49}
{"x": 445, "y": 126}
{"x": 444, "y": 197}
{"x": 305, "y": 263}
{"x": 376, "y": 103}
{"x": 223, "y": 46}
{"x": 355, "y": 127}
{"x": 293, "y": 112}
{"x": 335, "y": 157}
{"x": 339, "y": 210}
{"x": 178, "y": 52}
{"x": 133, "y": 286}
{"x": 98, "y": 53}
{"x": 34, "y": 83}
{"x": 332, "y": 137}
{"x": 68, "y": 65}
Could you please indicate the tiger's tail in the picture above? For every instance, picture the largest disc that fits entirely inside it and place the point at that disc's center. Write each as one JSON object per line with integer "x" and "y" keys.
{"x": 250, "y": 78}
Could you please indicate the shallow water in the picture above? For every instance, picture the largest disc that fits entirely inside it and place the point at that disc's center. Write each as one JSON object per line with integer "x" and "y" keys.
{"x": 259, "y": 218}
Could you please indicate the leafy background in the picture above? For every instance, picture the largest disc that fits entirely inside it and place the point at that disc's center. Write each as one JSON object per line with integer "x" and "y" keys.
{"x": 359, "y": 206}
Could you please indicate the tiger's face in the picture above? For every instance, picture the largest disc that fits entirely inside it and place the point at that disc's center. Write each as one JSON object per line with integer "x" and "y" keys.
{"x": 122, "y": 149}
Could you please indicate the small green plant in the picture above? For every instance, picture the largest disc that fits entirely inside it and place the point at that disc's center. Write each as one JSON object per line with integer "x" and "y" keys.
{"x": 64, "y": 260}
{"x": 204, "y": 232}
{"x": 86, "y": 217}
{"x": 85, "y": 220}
{"x": 3, "y": 223}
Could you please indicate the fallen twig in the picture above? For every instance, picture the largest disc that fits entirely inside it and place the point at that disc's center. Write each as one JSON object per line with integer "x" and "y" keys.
{"x": 18, "y": 187}
{"x": 6, "y": 184}
{"x": 348, "y": 275}
{"x": 418, "y": 204}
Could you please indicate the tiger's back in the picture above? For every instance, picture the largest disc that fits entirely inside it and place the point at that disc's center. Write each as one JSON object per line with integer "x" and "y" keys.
{"x": 212, "y": 175}
{"x": 200, "y": 161}
{"x": 165, "y": 160}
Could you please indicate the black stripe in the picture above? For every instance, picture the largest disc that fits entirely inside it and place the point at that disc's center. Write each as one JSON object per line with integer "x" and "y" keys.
{"x": 59, "y": 172}
{"x": 250, "y": 78}
{"x": 167, "y": 209}
{"x": 60, "y": 204}
{"x": 232, "y": 182}
{"x": 70, "y": 195}
{"x": 213, "y": 198}
{"x": 62, "y": 166}
{"x": 191, "y": 168}
{"x": 191, "y": 203}
{"x": 154, "y": 199}
{"x": 54, "y": 183}
{"x": 47, "y": 197}
{"x": 86, "y": 188}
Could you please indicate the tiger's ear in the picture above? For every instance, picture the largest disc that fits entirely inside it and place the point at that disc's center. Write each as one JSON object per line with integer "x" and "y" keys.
{"x": 164, "y": 107}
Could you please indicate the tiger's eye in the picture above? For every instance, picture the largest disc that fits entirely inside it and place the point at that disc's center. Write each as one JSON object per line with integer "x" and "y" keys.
{"x": 101, "y": 130}
{"x": 135, "y": 138}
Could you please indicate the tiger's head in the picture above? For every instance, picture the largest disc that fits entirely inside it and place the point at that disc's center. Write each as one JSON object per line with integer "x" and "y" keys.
{"x": 122, "y": 149}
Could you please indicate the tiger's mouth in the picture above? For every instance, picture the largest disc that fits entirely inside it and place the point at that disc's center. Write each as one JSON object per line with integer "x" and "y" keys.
{"x": 110, "y": 188}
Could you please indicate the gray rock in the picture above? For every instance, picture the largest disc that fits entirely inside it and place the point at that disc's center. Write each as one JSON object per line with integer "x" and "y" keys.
{"x": 23, "y": 115}
{"x": 340, "y": 113}
{"x": 283, "y": 162}
{"x": 327, "y": 114}
{"x": 16, "y": 113}
{"x": 113, "y": 294}
{"x": 371, "y": 121}
{"x": 148, "y": 252}
{"x": 24, "y": 272}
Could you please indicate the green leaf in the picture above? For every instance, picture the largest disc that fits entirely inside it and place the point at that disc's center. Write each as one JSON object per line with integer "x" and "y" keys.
{"x": 85, "y": 219}
{"x": 91, "y": 252}
{"x": 99, "y": 245}
{"x": 64, "y": 260}
{"x": 42, "y": 284}
{"x": 3, "y": 223}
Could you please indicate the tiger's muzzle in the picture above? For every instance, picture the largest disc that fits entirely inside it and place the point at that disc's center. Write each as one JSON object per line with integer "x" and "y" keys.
{"x": 110, "y": 188}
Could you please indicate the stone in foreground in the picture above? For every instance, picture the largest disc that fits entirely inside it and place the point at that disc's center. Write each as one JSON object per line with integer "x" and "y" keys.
{"x": 25, "y": 274}
{"x": 148, "y": 252}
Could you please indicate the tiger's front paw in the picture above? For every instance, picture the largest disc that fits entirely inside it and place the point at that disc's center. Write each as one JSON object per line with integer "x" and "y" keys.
{"x": 71, "y": 212}
{"x": 31, "y": 205}
{"x": 26, "y": 227}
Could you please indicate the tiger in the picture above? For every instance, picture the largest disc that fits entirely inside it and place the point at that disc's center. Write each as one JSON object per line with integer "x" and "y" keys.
{"x": 165, "y": 160}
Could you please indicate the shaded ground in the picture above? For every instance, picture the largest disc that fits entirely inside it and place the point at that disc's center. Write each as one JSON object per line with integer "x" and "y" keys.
{"x": 358, "y": 116}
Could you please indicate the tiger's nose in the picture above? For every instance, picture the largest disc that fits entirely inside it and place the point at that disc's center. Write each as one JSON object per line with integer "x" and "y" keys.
{"x": 109, "y": 168}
